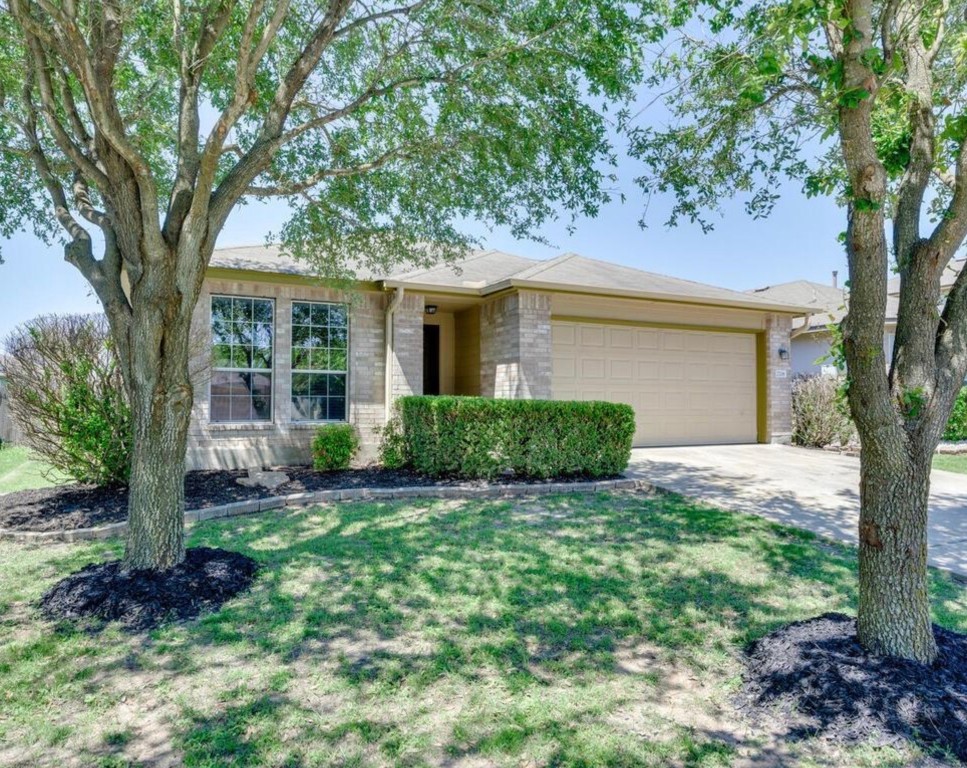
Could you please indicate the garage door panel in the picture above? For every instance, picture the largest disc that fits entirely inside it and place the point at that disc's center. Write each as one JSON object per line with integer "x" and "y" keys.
{"x": 685, "y": 386}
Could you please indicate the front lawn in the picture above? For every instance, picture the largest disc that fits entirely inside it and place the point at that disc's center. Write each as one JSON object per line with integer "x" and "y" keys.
{"x": 21, "y": 469}
{"x": 956, "y": 462}
{"x": 566, "y": 631}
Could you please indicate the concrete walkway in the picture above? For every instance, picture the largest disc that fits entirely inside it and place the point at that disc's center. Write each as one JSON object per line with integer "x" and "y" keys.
{"x": 809, "y": 489}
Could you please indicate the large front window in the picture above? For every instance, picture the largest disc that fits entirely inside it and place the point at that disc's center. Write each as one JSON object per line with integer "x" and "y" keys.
{"x": 320, "y": 361}
{"x": 241, "y": 384}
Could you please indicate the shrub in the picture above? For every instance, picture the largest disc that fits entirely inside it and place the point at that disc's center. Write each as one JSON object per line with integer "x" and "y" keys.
{"x": 957, "y": 426}
{"x": 68, "y": 397}
{"x": 820, "y": 416}
{"x": 334, "y": 447}
{"x": 476, "y": 437}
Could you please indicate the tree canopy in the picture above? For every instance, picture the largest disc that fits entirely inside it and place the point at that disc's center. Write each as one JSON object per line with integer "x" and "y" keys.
{"x": 383, "y": 125}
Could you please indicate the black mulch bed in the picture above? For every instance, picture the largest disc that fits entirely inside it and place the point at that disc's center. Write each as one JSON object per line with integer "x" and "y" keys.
{"x": 142, "y": 600}
{"x": 816, "y": 677}
{"x": 67, "y": 507}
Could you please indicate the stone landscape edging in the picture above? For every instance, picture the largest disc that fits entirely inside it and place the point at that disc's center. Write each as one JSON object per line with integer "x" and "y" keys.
{"x": 297, "y": 500}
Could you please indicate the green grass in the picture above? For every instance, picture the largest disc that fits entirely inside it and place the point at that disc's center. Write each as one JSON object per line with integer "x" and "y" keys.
{"x": 951, "y": 462}
{"x": 566, "y": 631}
{"x": 20, "y": 469}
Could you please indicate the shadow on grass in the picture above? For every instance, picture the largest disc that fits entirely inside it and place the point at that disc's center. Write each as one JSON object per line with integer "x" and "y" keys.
{"x": 365, "y": 616}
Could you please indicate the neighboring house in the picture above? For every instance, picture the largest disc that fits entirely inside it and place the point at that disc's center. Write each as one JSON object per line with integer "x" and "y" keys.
{"x": 699, "y": 364}
{"x": 811, "y": 337}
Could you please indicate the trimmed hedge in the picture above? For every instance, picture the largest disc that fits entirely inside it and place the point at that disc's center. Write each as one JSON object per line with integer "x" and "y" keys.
{"x": 334, "y": 447}
{"x": 957, "y": 426}
{"x": 477, "y": 437}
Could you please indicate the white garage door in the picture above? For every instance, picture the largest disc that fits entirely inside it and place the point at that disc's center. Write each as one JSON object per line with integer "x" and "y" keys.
{"x": 687, "y": 387}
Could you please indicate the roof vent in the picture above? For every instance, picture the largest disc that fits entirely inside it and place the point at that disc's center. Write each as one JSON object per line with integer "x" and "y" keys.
{"x": 835, "y": 278}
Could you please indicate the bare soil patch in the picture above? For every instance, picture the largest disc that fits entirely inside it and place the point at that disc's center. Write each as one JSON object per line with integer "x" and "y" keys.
{"x": 141, "y": 600}
{"x": 816, "y": 677}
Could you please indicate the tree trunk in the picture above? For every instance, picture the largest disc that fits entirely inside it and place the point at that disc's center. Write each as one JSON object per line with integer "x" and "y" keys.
{"x": 161, "y": 398}
{"x": 893, "y": 617}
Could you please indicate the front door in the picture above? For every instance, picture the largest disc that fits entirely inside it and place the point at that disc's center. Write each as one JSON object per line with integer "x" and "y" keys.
{"x": 431, "y": 359}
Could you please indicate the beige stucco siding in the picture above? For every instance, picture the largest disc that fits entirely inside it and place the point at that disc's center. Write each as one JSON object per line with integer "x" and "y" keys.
{"x": 603, "y": 307}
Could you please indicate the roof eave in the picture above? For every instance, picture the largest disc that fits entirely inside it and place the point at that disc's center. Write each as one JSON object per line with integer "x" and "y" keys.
{"x": 786, "y": 309}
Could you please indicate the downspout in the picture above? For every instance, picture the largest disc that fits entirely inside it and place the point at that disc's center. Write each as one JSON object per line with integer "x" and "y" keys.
{"x": 388, "y": 337}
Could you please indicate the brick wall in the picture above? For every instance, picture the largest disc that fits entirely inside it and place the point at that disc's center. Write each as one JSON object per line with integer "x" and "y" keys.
{"x": 408, "y": 346}
{"x": 515, "y": 346}
{"x": 284, "y": 441}
{"x": 778, "y": 379}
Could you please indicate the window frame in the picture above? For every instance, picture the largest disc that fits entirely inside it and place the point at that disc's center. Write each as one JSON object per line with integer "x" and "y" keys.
{"x": 271, "y": 371}
{"x": 293, "y": 370}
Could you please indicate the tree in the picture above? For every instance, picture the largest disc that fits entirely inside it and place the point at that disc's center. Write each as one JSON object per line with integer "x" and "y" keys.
{"x": 141, "y": 125}
{"x": 68, "y": 398}
{"x": 864, "y": 100}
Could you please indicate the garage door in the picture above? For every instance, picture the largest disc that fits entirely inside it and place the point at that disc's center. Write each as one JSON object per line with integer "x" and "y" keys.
{"x": 687, "y": 387}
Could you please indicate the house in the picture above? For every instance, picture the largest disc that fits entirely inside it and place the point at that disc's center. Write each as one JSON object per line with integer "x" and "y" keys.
{"x": 699, "y": 364}
{"x": 811, "y": 337}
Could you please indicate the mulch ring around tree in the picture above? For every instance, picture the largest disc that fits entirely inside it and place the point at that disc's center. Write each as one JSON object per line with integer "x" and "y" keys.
{"x": 143, "y": 599}
{"x": 816, "y": 679}
{"x": 72, "y": 506}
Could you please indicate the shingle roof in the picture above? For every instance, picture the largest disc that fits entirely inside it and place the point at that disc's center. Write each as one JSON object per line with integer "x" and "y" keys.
{"x": 830, "y": 302}
{"x": 953, "y": 269}
{"x": 485, "y": 272}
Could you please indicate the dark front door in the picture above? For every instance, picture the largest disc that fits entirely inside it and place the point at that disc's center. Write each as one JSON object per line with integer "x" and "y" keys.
{"x": 431, "y": 359}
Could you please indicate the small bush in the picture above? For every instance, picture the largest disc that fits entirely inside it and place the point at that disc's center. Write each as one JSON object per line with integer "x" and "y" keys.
{"x": 820, "y": 415}
{"x": 334, "y": 447}
{"x": 476, "y": 437}
{"x": 957, "y": 426}
{"x": 68, "y": 397}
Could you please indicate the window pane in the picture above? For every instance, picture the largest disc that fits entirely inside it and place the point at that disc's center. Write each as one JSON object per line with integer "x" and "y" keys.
{"x": 301, "y": 358}
{"x": 317, "y": 385}
{"x": 262, "y": 357}
{"x": 338, "y": 316}
{"x": 262, "y": 311}
{"x": 337, "y": 384}
{"x": 242, "y": 310}
{"x": 320, "y": 314}
{"x": 320, "y": 359}
{"x": 221, "y": 383}
{"x": 262, "y": 335}
{"x": 337, "y": 409}
{"x": 300, "y": 335}
{"x": 300, "y": 383}
{"x": 221, "y": 309}
{"x": 300, "y": 313}
{"x": 241, "y": 357}
{"x": 337, "y": 360}
{"x": 261, "y": 408}
{"x": 220, "y": 408}
{"x": 222, "y": 356}
{"x": 241, "y": 409}
{"x": 338, "y": 338}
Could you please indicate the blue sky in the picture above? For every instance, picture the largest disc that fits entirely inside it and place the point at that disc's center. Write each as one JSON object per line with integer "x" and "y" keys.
{"x": 797, "y": 241}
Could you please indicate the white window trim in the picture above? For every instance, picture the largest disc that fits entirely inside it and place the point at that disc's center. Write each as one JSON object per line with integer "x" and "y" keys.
{"x": 293, "y": 371}
{"x": 271, "y": 371}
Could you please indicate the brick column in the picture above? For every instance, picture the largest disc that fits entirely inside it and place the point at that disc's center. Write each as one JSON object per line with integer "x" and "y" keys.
{"x": 515, "y": 346}
{"x": 408, "y": 346}
{"x": 778, "y": 379}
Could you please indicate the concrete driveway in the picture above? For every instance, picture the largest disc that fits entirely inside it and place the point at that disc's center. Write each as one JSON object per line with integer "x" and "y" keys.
{"x": 810, "y": 489}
